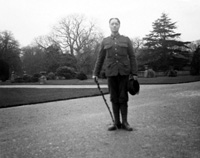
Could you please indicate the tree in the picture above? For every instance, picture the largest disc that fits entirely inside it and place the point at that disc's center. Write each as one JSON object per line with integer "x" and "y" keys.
{"x": 38, "y": 58}
{"x": 53, "y": 57}
{"x": 194, "y": 45}
{"x": 10, "y": 51}
{"x": 74, "y": 33}
{"x": 77, "y": 38}
{"x": 195, "y": 64}
{"x": 33, "y": 59}
{"x": 163, "y": 49}
{"x": 137, "y": 44}
{"x": 68, "y": 60}
{"x": 84, "y": 62}
{"x": 46, "y": 41}
{"x": 4, "y": 71}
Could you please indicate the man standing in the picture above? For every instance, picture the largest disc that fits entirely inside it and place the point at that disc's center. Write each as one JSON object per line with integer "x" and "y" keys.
{"x": 118, "y": 54}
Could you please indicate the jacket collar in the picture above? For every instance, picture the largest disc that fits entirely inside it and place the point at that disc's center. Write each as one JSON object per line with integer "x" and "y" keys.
{"x": 115, "y": 36}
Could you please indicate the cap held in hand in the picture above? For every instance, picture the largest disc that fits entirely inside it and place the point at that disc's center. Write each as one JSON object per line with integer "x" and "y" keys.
{"x": 133, "y": 86}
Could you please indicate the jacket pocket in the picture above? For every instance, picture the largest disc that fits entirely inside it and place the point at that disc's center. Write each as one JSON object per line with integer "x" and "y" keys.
{"x": 123, "y": 49}
{"x": 107, "y": 46}
{"x": 108, "y": 49}
{"x": 123, "y": 45}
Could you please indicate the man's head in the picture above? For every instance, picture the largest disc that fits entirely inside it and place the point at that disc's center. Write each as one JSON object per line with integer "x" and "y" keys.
{"x": 114, "y": 24}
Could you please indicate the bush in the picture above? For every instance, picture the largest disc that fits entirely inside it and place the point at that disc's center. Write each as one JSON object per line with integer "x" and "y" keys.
{"x": 18, "y": 80}
{"x": 172, "y": 73}
{"x": 51, "y": 76}
{"x": 81, "y": 76}
{"x": 68, "y": 76}
{"x": 151, "y": 73}
{"x": 26, "y": 78}
{"x": 35, "y": 77}
{"x": 66, "y": 72}
{"x": 193, "y": 72}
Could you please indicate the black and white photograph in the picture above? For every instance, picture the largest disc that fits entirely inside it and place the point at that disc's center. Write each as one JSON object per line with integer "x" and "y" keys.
{"x": 99, "y": 79}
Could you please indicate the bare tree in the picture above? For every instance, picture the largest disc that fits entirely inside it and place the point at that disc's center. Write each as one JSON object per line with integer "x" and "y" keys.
{"x": 74, "y": 33}
{"x": 46, "y": 41}
{"x": 194, "y": 45}
{"x": 137, "y": 43}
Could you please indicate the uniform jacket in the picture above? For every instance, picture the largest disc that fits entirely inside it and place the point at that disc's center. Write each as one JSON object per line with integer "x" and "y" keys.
{"x": 119, "y": 57}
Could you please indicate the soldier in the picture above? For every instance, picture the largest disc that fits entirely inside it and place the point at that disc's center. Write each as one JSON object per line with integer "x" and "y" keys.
{"x": 118, "y": 54}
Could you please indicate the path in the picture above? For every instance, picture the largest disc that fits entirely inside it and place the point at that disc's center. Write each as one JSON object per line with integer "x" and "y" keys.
{"x": 166, "y": 119}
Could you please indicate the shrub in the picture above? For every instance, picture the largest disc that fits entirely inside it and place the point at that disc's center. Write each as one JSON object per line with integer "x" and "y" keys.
{"x": 81, "y": 76}
{"x": 18, "y": 80}
{"x": 172, "y": 73}
{"x": 26, "y": 78}
{"x": 35, "y": 77}
{"x": 193, "y": 71}
{"x": 151, "y": 73}
{"x": 66, "y": 72}
{"x": 51, "y": 76}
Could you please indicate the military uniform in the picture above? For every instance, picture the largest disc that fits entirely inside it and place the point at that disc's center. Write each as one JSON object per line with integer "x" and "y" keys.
{"x": 118, "y": 55}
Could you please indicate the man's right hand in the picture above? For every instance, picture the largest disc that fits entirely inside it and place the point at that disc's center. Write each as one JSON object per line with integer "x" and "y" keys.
{"x": 95, "y": 78}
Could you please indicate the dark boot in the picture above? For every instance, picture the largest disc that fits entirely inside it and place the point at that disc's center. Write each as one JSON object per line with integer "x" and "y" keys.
{"x": 114, "y": 127}
{"x": 117, "y": 123}
{"x": 124, "y": 112}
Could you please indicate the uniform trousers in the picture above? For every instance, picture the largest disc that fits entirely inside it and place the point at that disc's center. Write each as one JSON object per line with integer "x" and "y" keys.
{"x": 118, "y": 89}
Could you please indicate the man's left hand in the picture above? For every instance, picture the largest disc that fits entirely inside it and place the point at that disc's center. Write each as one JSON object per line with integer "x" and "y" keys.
{"x": 135, "y": 77}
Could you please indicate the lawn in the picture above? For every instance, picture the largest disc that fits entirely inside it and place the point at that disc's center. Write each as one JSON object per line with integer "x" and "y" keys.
{"x": 157, "y": 80}
{"x": 24, "y": 96}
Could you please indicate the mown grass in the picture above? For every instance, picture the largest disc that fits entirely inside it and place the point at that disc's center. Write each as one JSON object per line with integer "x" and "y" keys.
{"x": 169, "y": 80}
{"x": 24, "y": 96}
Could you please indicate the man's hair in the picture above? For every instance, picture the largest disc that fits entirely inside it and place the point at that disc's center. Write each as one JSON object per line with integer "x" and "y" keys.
{"x": 114, "y": 18}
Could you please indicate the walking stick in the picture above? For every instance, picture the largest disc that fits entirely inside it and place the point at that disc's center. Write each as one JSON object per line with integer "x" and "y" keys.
{"x": 104, "y": 99}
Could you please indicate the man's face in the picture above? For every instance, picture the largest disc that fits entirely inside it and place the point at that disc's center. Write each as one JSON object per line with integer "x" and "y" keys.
{"x": 114, "y": 25}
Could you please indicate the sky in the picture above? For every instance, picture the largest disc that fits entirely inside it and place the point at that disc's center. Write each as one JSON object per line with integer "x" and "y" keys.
{"x": 29, "y": 19}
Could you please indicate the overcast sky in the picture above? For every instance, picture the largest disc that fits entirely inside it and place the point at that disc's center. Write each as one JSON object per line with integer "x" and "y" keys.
{"x": 28, "y": 19}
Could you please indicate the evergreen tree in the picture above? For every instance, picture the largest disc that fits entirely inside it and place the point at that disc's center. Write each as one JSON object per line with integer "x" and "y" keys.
{"x": 195, "y": 64}
{"x": 163, "y": 49}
